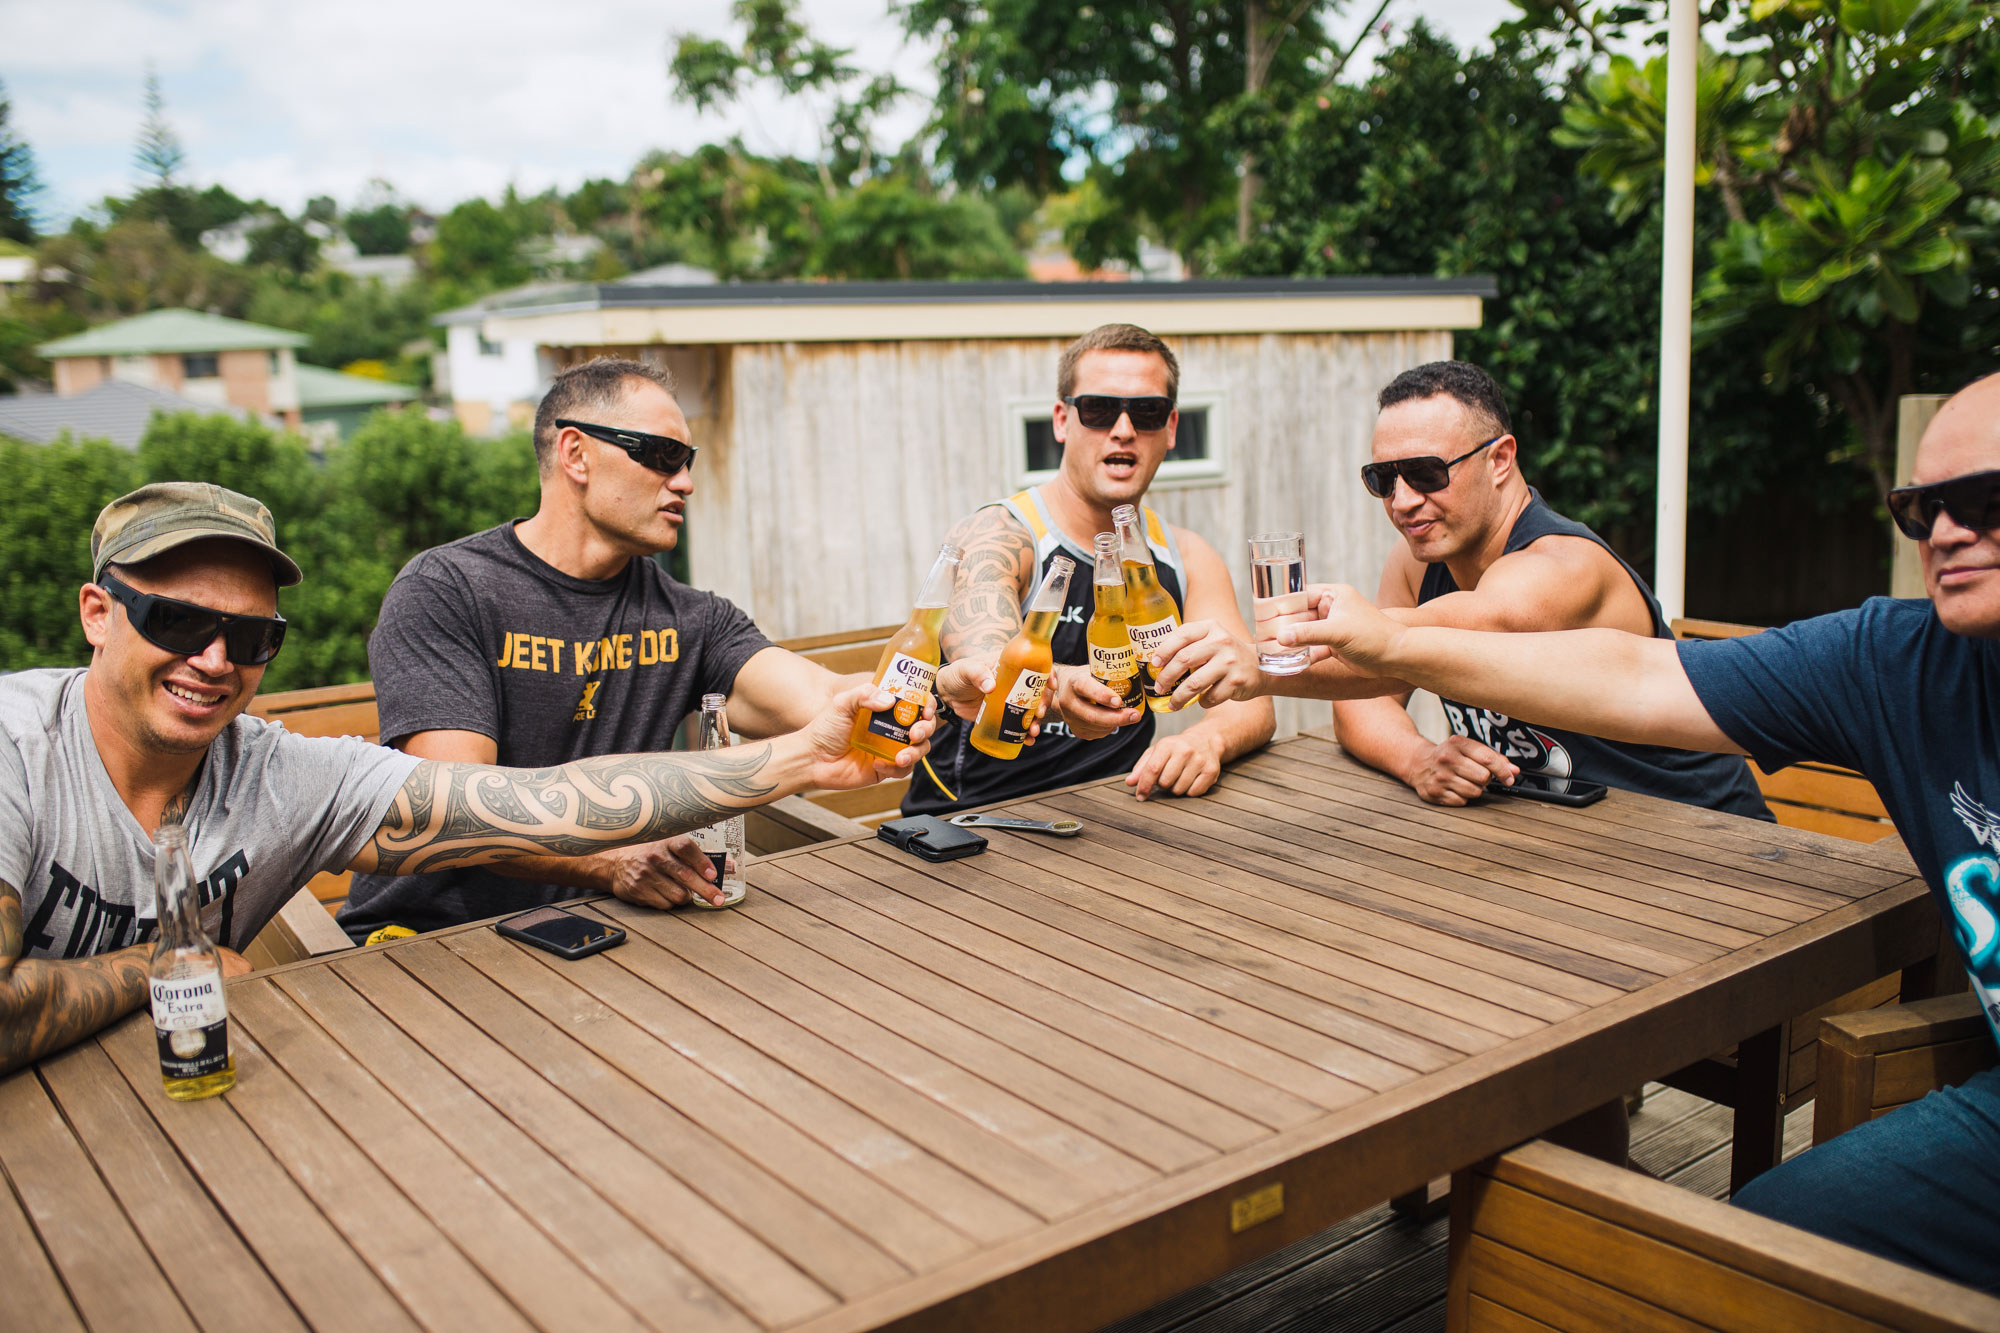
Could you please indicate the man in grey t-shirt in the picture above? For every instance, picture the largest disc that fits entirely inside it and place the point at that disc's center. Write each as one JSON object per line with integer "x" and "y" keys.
{"x": 181, "y": 616}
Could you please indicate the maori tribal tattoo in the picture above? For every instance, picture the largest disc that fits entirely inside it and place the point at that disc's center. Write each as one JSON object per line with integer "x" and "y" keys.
{"x": 993, "y": 580}
{"x": 46, "y": 1004}
{"x": 450, "y": 815}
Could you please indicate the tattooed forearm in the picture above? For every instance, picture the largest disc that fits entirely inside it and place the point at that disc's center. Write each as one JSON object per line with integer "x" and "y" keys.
{"x": 468, "y": 814}
{"x": 46, "y": 1004}
{"x": 993, "y": 579}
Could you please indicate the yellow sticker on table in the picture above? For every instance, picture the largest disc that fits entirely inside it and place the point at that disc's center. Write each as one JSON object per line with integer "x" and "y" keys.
{"x": 1259, "y": 1205}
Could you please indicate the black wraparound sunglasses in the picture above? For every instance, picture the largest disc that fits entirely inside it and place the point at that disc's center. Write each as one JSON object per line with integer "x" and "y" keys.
{"x": 1426, "y": 473}
{"x": 662, "y": 453}
{"x": 1101, "y": 411}
{"x": 1973, "y": 501}
{"x": 185, "y": 629}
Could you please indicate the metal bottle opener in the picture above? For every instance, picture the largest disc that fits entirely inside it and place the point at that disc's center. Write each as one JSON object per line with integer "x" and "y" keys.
{"x": 1061, "y": 828}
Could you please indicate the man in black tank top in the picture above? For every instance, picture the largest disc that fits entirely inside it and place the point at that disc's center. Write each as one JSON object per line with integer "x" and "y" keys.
{"x": 1482, "y": 550}
{"x": 1109, "y": 376}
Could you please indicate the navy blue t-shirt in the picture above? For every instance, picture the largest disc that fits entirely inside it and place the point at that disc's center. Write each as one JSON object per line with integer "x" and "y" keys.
{"x": 1889, "y": 691}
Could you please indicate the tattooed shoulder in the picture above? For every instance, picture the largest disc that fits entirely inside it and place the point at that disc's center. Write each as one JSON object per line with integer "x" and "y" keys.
{"x": 993, "y": 579}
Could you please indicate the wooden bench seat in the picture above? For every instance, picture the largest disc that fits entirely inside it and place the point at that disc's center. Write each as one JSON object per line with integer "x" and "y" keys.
{"x": 1543, "y": 1238}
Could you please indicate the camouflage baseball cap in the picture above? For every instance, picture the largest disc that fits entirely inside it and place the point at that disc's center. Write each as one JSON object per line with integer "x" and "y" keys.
{"x": 155, "y": 519}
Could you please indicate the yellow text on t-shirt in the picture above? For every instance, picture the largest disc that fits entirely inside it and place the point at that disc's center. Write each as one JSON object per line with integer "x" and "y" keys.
{"x": 522, "y": 651}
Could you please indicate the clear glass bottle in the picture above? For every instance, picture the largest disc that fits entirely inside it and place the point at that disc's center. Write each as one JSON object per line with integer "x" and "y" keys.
{"x": 909, "y": 664}
{"x": 190, "y": 1015}
{"x": 721, "y": 841}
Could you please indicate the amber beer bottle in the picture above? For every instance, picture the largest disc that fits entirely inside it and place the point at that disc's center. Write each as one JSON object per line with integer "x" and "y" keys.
{"x": 1023, "y": 672}
{"x": 1112, "y": 660}
{"x": 909, "y": 664}
{"x": 1150, "y": 613}
{"x": 190, "y": 1017}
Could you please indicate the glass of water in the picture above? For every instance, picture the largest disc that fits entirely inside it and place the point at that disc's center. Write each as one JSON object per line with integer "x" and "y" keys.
{"x": 1278, "y": 598}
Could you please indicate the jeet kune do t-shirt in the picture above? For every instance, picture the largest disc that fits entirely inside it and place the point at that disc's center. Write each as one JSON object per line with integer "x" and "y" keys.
{"x": 483, "y": 635}
{"x": 269, "y": 811}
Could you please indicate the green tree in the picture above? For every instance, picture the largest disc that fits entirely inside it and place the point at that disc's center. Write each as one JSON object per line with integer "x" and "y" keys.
{"x": 349, "y": 319}
{"x": 58, "y": 490}
{"x": 285, "y": 244}
{"x": 184, "y": 210}
{"x": 135, "y": 266}
{"x": 158, "y": 154}
{"x": 1438, "y": 164}
{"x": 1857, "y": 149}
{"x": 381, "y": 230}
{"x": 1149, "y": 100}
{"x": 478, "y": 246}
{"x": 888, "y": 229}
{"x": 20, "y": 185}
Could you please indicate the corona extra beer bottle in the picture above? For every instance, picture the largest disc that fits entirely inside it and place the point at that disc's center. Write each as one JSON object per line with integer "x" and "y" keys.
{"x": 909, "y": 664}
{"x": 190, "y": 1016}
{"x": 722, "y": 841}
{"x": 1112, "y": 659}
{"x": 1023, "y": 671}
{"x": 1150, "y": 613}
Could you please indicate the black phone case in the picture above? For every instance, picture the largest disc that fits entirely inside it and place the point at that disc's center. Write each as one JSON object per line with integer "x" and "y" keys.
{"x": 932, "y": 838}
{"x": 1587, "y": 793}
{"x": 613, "y": 935}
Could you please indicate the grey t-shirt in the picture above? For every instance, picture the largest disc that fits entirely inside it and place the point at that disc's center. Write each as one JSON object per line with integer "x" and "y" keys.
{"x": 269, "y": 811}
{"x": 483, "y": 635}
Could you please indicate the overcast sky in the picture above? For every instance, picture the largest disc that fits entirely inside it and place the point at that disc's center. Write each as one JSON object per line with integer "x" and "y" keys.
{"x": 442, "y": 98}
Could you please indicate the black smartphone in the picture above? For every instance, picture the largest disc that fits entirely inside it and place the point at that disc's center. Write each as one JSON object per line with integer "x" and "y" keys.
{"x": 932, "y": 838}
{"x": 564, "y": 934}
{"x": 1542, "y": 787}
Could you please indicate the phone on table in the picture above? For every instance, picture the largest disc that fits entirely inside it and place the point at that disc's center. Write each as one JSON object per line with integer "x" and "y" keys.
{"x": 564, "y": 934}
{"x": 1544, "y": 787}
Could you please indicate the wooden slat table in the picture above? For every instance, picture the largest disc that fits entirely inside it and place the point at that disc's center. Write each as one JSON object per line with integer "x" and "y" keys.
{"x": 1037, "y": 1089}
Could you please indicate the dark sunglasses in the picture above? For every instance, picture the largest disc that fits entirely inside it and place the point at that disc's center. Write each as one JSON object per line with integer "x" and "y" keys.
{"x": 1426, "y": 474}
{"x": 186, "y": 630}
{"x": 662, "y": 453}
{"x": 1101, "y": 411}
{"x": 1973, "y": 501}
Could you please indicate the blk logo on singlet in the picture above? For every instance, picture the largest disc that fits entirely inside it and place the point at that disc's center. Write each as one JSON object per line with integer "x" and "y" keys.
{"x": 1535, "y": 751}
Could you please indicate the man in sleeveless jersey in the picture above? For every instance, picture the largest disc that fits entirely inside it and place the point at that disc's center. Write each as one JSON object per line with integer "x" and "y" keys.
{"x": 1008, "y": 545}
{"x": 1481, "y": 550}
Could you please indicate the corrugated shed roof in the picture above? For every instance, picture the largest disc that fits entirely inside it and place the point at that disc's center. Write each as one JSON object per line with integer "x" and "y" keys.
{"x": 319, "y": 387}
{"x": 112, "y": 411}
{"x": 171, "y": 331}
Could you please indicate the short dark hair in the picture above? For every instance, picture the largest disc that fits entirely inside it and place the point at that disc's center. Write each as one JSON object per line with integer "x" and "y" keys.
{"x": 587, "y": 391}
{"x": 1460, "y": 380}
{"x": 1116, "y": 338}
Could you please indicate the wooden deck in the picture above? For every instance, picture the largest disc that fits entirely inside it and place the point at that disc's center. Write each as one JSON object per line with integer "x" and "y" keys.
{"x": 1377, "y": 1273}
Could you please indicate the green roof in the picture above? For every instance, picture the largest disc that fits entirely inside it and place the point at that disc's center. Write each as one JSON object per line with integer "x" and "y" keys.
{"x": 171, "y": 331}
{"x": 13, "y": 249}
{"x": 319, "y": 388}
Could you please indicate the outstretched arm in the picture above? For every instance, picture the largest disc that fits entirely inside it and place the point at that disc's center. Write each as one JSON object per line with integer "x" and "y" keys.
{"x": 455, "y": 814}
{"x": 994, "y": 578}
{"x": 1603, "y": 682}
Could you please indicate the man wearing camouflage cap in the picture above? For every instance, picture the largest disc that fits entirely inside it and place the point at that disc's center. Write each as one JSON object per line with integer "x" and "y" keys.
{"x": 181, "y": 614}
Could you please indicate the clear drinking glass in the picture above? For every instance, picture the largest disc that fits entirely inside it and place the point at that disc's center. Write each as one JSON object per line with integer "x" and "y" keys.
{"x": 1278, "y": 598}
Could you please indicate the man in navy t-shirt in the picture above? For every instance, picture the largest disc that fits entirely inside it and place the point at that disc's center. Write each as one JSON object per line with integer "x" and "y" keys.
{"x": 1908, "y": 692}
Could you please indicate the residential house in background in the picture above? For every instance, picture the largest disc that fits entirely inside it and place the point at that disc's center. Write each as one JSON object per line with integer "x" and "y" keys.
{"x": 495, "y": 380}
{"x": 206, "y": 359}
{"x": 112, "y": 410}
{"x": 332, "y": 404}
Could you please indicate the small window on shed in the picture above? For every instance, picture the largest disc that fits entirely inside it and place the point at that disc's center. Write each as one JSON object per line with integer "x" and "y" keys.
{"x": 487, "y": 347}
{"x": 200, "y": 366}
{"x": 1196, "y": 455}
